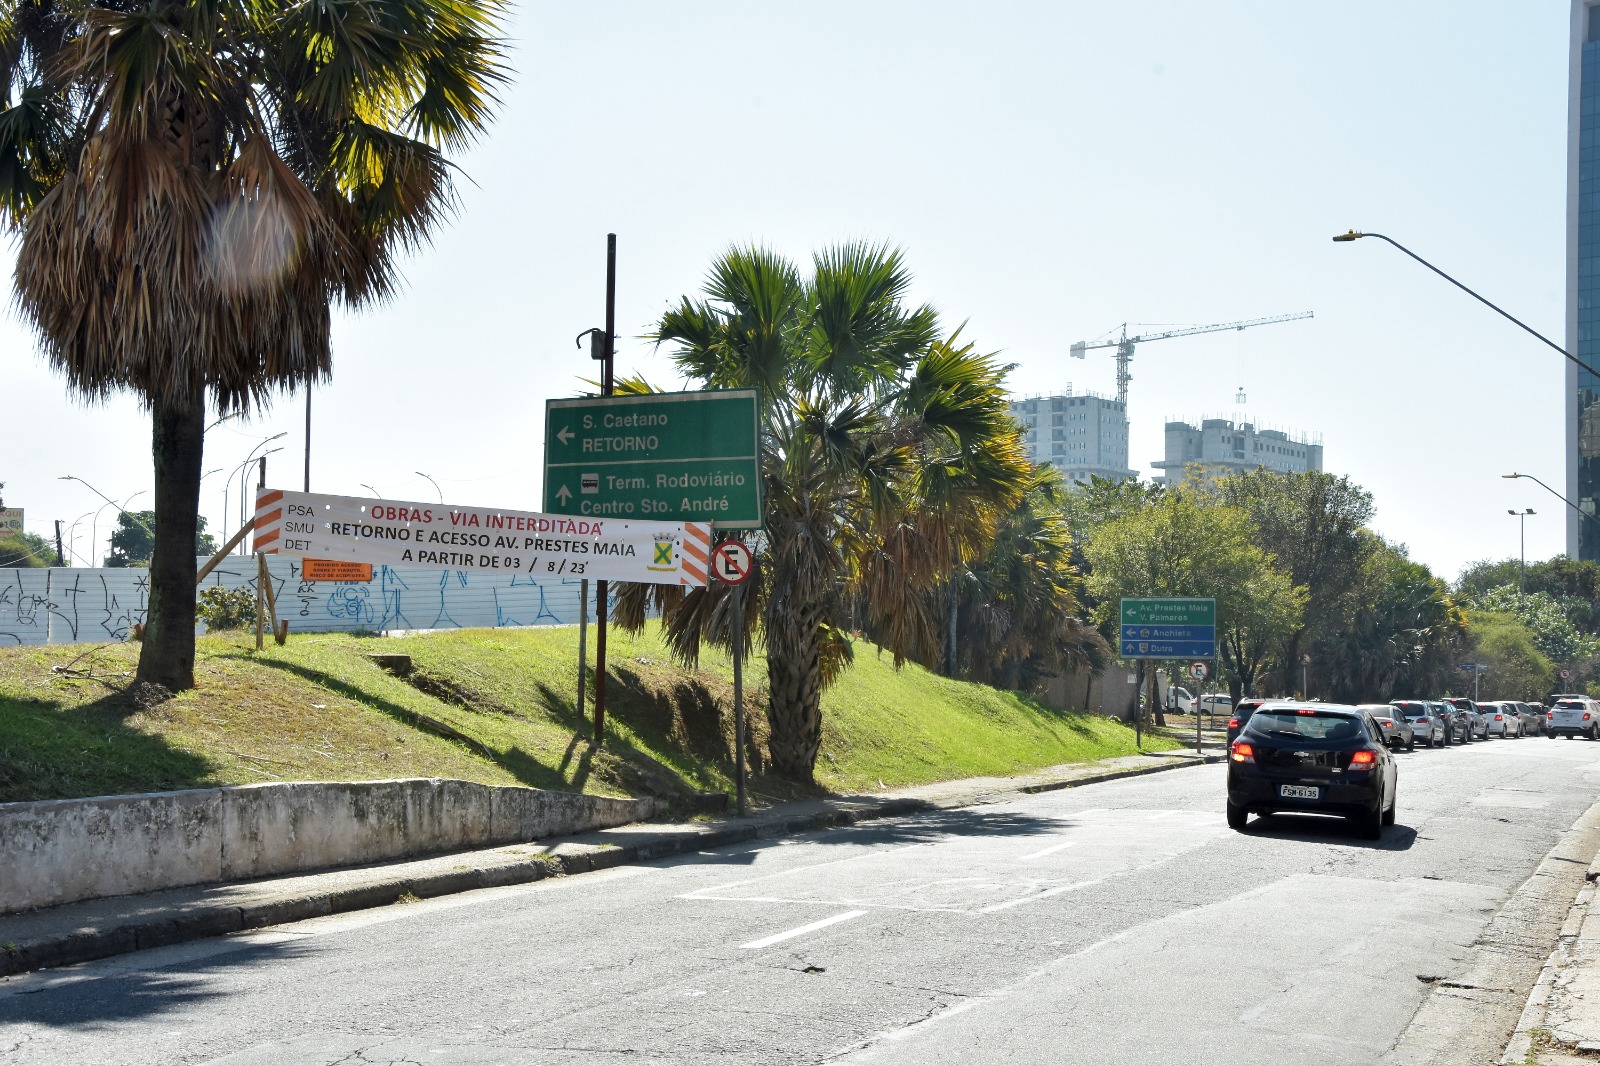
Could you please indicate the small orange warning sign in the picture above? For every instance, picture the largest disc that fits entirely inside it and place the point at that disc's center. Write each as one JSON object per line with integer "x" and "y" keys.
{"x": 334, "y": 570}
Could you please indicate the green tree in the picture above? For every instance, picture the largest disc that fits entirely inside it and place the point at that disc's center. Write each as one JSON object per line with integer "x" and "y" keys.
{"x": 194, "y": 184}
{"x": 1552, "y": 630}
{"x": 27, "y": 551}
{"x": 1314, "y": 525}
{"x": 1187, "y": 544}
{"x": 888, "y": 458}
{"x": 1019, "y": 614}
{"x": 1517, "y": 670}
{"x": 133, "y": 541}
{"x": 1573, "y": 583}
{"x": 1401, "y": 634}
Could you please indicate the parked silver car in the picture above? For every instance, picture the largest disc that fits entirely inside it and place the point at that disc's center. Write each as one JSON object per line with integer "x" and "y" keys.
{"x": 1426, "y": 721}
{"x": 1396, "y": 730}
{"x": 1532, "y": 718}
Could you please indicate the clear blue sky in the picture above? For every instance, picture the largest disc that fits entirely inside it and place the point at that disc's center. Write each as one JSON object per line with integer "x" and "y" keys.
{"x": 1051, "y": 169}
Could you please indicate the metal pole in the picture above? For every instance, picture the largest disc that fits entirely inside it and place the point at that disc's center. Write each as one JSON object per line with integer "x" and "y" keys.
{"x": 1522, "y": 557}
{"x": 261, "y": 568}
{"x": 61, "y": 559}
{"x": 737, "y": 595}
{"x": 308, "y": 430}
{"x": 607, "y": 385}
{"x": 1197, "y": 730}
{"x": 583, "y": 640}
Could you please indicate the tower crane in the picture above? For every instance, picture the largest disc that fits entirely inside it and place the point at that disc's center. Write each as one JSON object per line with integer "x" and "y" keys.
{"x": 1124, "y": 343}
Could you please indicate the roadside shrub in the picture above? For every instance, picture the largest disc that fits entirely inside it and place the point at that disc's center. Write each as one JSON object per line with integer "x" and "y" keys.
{"x": 221, "y": 608}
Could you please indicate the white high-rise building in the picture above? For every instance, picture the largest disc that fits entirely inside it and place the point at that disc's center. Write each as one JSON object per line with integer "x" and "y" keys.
{"x": 1082, "y": 435}
{"x": 1221, "y": 446}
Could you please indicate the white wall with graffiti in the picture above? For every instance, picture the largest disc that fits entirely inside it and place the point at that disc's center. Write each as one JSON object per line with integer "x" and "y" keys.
{"x": 73, "y": 605}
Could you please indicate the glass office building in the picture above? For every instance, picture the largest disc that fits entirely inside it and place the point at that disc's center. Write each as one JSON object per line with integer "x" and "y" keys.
{"x": 1583, "y": 279}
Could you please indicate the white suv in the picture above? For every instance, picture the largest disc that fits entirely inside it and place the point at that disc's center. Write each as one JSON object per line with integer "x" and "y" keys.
{"x": 1573, "y": 716}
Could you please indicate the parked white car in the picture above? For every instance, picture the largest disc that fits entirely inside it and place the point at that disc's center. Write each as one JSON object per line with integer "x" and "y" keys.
{"x": 1182, "y": 700}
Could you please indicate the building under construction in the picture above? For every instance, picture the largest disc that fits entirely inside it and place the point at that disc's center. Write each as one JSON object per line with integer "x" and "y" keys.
{"x": 1220, "y": 446}
{"x": 1083, "y": 435}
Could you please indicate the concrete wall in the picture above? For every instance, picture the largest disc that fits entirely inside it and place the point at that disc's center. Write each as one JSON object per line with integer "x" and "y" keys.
{"x": 77, "y": 605}
{"x": 59, "y": 851}
{"x": 1109, "y": 692}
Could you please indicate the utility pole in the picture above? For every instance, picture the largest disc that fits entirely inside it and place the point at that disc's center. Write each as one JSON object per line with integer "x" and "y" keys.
{"x": 61, "y": 559}
{"x": 1522, "y": 551}
{"x": 607, "y": 387}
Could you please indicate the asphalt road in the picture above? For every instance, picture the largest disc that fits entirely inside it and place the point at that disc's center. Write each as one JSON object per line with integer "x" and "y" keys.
{"x": 1120, "y": 922}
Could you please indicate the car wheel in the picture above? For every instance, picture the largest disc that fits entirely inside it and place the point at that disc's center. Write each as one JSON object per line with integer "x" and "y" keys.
{"x": 1411, "y": 745}
{"x": 1552, "y": 736}
{"x": 1371, "y": 825}
{"x": 1237, "y": 817}
{"x": 1394, "y": 808}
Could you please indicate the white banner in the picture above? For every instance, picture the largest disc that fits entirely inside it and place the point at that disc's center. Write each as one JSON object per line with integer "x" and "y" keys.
{"x": 480, "y": 539}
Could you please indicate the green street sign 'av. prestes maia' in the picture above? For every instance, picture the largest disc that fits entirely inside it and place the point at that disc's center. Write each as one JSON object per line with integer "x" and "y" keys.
{"x": 669, "y": 457}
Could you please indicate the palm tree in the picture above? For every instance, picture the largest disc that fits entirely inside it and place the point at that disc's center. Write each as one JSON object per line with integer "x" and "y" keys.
{"x": 194, "y": 184}
{"x": 1021, "y": 620}
{"x": 887, "y": 455}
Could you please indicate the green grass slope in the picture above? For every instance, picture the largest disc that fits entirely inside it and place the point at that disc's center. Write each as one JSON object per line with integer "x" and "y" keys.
{"x": 495, "y": 706}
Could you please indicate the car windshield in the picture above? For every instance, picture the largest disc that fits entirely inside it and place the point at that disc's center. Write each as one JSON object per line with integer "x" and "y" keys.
{"x": 1306, "y": 725}
{"x": 1411, "y": 708}
{"x": 1568, "y": 705}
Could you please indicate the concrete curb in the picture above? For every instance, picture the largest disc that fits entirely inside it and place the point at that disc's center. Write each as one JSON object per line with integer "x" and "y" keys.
{"x": 210, "y": 920}
{"x": 1567, "y": 952}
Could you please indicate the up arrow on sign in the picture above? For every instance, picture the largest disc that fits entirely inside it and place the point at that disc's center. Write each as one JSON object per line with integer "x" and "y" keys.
{"x": 564, "y": 494}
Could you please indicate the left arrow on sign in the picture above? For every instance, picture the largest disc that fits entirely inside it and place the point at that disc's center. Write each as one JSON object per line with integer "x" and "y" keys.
{"x": 565, "y": 435}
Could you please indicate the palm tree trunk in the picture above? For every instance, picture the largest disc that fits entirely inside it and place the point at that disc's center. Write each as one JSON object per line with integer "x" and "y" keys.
{"x": 177, "y": 439}
{"x": 794, "y": 697}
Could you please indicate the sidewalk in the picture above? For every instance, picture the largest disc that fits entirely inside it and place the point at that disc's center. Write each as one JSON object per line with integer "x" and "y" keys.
{"x": 94, "y": 929}
{"x": 1561, "y": 1023}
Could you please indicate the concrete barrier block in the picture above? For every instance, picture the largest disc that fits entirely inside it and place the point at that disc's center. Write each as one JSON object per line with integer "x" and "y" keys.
{"x": 57, "y": 851}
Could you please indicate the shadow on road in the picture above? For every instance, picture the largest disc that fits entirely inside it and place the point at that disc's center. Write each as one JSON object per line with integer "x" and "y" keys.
{"x": 934, "y": 826}
{"x": 91, "y": 996}
{"x": 1326, "y": 829}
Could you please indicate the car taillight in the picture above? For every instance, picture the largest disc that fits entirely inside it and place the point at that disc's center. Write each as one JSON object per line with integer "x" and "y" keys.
{"x": 1363, "y": 758}
{"x": 1242, "y": 752}
{"x": 1551, "y": 716}
{"x": 1585, "y": 716}
{"x": 1233, "y": 723}
{"x": 1497, "y": 718}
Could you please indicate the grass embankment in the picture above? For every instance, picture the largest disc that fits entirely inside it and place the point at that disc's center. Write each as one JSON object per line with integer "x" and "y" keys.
{"x": 495, "y": 706}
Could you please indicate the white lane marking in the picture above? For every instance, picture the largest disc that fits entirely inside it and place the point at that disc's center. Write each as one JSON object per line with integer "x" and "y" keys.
{"x": 699, "y": 893}
{"x": 815, "y": 902}
{"x": 1049, "y": 851}
{"x": 1046, "y": 894}
{"x": 790, "y": 934}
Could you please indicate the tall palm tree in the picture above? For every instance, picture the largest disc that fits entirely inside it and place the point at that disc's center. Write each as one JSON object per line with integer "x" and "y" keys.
{"x": 1021, "y": 620}
{"x": 196, "y": 181}
{"x": 886, "y": 455}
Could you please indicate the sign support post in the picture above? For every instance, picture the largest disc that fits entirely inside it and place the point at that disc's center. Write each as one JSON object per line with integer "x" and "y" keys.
{"x": 731, "y": 564}
{"x": 601, "y": 589}
{"x": 583, "y": 641}
{"x": 738, "y": 688}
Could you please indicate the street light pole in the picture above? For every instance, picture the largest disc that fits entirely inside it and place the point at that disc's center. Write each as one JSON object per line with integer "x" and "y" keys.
{"x": 1355, "y": 235}
{"x": 1522, "y": 552}
{"x": 432, "y": 482}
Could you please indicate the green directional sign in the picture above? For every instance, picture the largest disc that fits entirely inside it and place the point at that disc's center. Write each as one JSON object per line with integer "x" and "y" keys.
{"x": 1169, "y": 611}
{"x": 674, "y": 456}
{"x": 1177, "y": 627}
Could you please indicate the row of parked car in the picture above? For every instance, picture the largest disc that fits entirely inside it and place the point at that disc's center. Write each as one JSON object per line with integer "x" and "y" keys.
{"x": 1440, "y": 723}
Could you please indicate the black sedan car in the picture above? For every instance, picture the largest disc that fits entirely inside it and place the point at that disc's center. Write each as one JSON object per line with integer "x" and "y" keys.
{"x": 1241, "y": 716}
{"x": 1312, "y": 759}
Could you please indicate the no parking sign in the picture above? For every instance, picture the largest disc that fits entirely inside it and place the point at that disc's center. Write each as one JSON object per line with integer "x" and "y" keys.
{"x": 1199, "y": 670}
